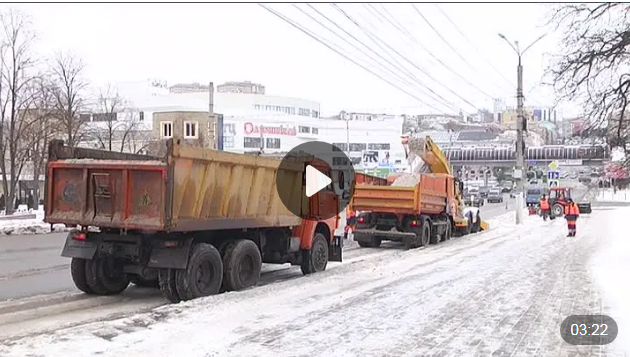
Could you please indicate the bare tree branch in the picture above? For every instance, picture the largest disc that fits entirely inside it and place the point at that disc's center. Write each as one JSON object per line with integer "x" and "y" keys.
{"x": 69, "y": 93}
{"x": 593, "y": 67}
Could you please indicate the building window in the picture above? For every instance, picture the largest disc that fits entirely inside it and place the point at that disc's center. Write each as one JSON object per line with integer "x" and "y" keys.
{"x": 228, "y": 142}
{"x": 304, "y": 129}
{"x": 273, "y": 143}
{"x": 191, "y": 130}
{"x": 292, "y": 111}
{"x": 166, "y": 129}
{"x": 357, "y": 146}
{"x": 340, "y": 161}
{"x": 304, "y": 112}
{"x": 315, "y": 131}
{"x": 252, "y": 143}
{"x": 141, "y": 114}
{"x": 104, "y": 117}
{"x": 384, "y": 146}
{"x": 268, "y": 107}
{"x": 340, "y": 147}
{"x": 84, "y": 118}
{"x": 229, "y": 129}
{"x": 315, "y": 114}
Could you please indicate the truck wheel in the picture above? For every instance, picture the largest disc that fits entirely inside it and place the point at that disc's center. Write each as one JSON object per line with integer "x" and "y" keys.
{"x": 426, "y": 238}
{"x": 204, "y": 274}
{"x": 448, "y": 233}
{"x": 315, "y": 259}
{"x": 79, "y": 277}
{"x": 166, "y": 279}
{"x": 144, "y": 283}
{"x": 105, "y": 276}
{"x": 557, "y": 210}
{"x": 242, "y": 264}
{"x": 373, "y": 243}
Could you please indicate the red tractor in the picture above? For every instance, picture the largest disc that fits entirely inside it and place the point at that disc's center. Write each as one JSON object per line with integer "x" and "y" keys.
{"x": 558, "y": 199}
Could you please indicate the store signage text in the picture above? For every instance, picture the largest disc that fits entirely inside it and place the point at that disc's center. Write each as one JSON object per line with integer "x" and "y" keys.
{"x": 251, "y": 129}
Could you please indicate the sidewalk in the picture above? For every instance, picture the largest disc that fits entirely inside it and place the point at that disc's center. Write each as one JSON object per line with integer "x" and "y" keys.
{"x": 608, "y": 195}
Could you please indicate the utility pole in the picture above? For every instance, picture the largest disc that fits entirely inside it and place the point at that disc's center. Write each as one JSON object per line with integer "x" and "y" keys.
{"x": 520, "y": 128}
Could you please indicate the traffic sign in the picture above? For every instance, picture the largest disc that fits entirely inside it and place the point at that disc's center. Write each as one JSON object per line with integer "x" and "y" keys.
{"x": 553, "y": 175}
{"x": 553, "y": 165}
{"x": 554, "y": 183}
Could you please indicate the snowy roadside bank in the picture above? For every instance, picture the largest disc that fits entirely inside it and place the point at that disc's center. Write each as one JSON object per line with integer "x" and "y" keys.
{"x": 609, "y": 195}
{"x": 29, "y": 226}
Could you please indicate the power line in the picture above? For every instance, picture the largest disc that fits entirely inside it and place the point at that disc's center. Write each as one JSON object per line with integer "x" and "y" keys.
{"x": 403, "y": 70}
{"x": 451, "y": 47}
{"x": 404, "y": 31}
{"x": 310, "y": 34}
{"x": 376, "y": 39}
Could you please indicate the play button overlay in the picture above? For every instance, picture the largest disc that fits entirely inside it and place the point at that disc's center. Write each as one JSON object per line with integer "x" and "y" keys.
{"x": 314, "y": 180}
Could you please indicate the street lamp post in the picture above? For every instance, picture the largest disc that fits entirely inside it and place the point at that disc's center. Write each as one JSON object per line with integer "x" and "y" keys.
{"x": 520, "y": 125}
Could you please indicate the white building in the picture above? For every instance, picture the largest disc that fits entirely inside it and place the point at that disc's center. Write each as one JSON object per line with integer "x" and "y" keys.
{"x": 275, "y": 123}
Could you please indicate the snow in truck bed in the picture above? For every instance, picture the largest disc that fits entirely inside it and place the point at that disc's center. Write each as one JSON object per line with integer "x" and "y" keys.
{"x": 502, "y": 292}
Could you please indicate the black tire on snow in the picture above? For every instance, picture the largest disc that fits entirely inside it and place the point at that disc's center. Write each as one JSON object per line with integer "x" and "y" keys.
{"x": 79, "y": 277}
{"x": 448, "y": 233}
{"x": 557, "y": 210}
{"x": 105, "y": 277}
{"x": 166, "y": 279}
{"x": 373, "y": 243}
{"x": 145, "y": 283}
{"x": 204, "y": 274}
{"x": 242, "y": 264}
{"x": 316, "y": 259}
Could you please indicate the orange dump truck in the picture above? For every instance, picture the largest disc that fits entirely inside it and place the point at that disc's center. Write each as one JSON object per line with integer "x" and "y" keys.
{"x": 193, "y": 222}
{"x": 418, "y": 215}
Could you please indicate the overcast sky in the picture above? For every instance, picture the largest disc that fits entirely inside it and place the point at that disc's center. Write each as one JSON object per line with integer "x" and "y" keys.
{"x": 220, "y": 42}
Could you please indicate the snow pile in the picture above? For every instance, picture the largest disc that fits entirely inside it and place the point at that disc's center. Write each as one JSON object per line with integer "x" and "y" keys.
{"x": 29, "y": 226}
{"x": 609, "y": 195}
{"x": 610, "y": 266}
{"x": 407, "y": 180}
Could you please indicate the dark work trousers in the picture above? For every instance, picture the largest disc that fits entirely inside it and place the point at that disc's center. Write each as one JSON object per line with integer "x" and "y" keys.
{"x": 571, "y": 221}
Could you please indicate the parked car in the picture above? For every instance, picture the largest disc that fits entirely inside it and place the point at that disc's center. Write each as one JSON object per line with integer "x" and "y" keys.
{"x": 585, "y": 179}
{"x": 483, "y": 191}
{"x": 472, "y": 200}
{"x": 495, "y": 196}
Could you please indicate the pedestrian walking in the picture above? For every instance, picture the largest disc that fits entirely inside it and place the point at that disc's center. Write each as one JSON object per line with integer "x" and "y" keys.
{"x": 571, "y": 214}
{"x": 544, "y": 207}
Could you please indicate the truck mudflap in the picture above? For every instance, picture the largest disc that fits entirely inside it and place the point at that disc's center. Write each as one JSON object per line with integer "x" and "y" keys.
{"x": 171, "y": 254}
{"x": 77, "y": 246}
{"x": 335, "y": 250}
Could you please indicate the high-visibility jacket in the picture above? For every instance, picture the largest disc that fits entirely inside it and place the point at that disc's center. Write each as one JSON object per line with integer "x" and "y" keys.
{"x": 544, "y": 204}
{"x": 572, "y": 209}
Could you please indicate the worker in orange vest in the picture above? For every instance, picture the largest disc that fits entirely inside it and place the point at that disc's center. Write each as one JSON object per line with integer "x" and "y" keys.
{"x": 350, "y": 221}
{"x": 571, "y": 214}
{"x": 544, "y": 207}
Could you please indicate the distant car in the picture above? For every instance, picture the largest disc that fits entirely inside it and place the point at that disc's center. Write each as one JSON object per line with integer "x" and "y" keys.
{"x": 473, "y": 200}
{"x": 574, "y": 176}
{"x": 584, "y": 179}
{"x": 495, "y": 196}
{"x": 483, "y": 191}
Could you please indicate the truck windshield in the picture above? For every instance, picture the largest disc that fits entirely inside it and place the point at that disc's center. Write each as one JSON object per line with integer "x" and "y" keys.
{"x": 533, "y": 191}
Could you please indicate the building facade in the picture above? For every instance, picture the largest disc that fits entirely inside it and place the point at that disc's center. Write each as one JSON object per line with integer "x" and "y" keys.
{"x": 245, "y": 87}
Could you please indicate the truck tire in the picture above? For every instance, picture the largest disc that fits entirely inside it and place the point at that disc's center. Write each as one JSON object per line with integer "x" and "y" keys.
{"x": 105, "y": 277}
{"x": 375, "y": 242}
{"x": 557, "y": 210}
{"x": 242, "y": 264}
{"x": 79, "y": 276}
{"x": 315, "y": 259}
{"x": 144, "y": 283}
{"x": 204, "y": 274}
{"x": 168, "y": 287}
{"x": 448, "y": 233}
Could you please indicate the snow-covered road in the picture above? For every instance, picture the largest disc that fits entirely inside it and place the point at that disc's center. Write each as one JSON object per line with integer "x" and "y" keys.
{"x": 498, "y": 293}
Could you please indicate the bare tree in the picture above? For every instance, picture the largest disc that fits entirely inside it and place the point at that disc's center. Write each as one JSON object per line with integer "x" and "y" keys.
{"x": 593, "y": 67}
{"x": 16, "y": 63}
{"x": 117, "y": 123}
{"x": 69, "y": 93}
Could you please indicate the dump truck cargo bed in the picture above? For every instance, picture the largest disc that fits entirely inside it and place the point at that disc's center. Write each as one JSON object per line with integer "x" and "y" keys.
{"x": 191, "y": 189}
{"x": 428, "y": 196}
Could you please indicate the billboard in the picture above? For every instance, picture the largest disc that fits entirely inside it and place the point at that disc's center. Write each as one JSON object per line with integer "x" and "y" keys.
{"x": 371, "y": 159}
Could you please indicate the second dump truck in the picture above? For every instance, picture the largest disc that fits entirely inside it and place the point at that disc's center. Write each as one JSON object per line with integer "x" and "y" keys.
{"x": 419, "y": 213}
{"x": 193, "y": 222}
